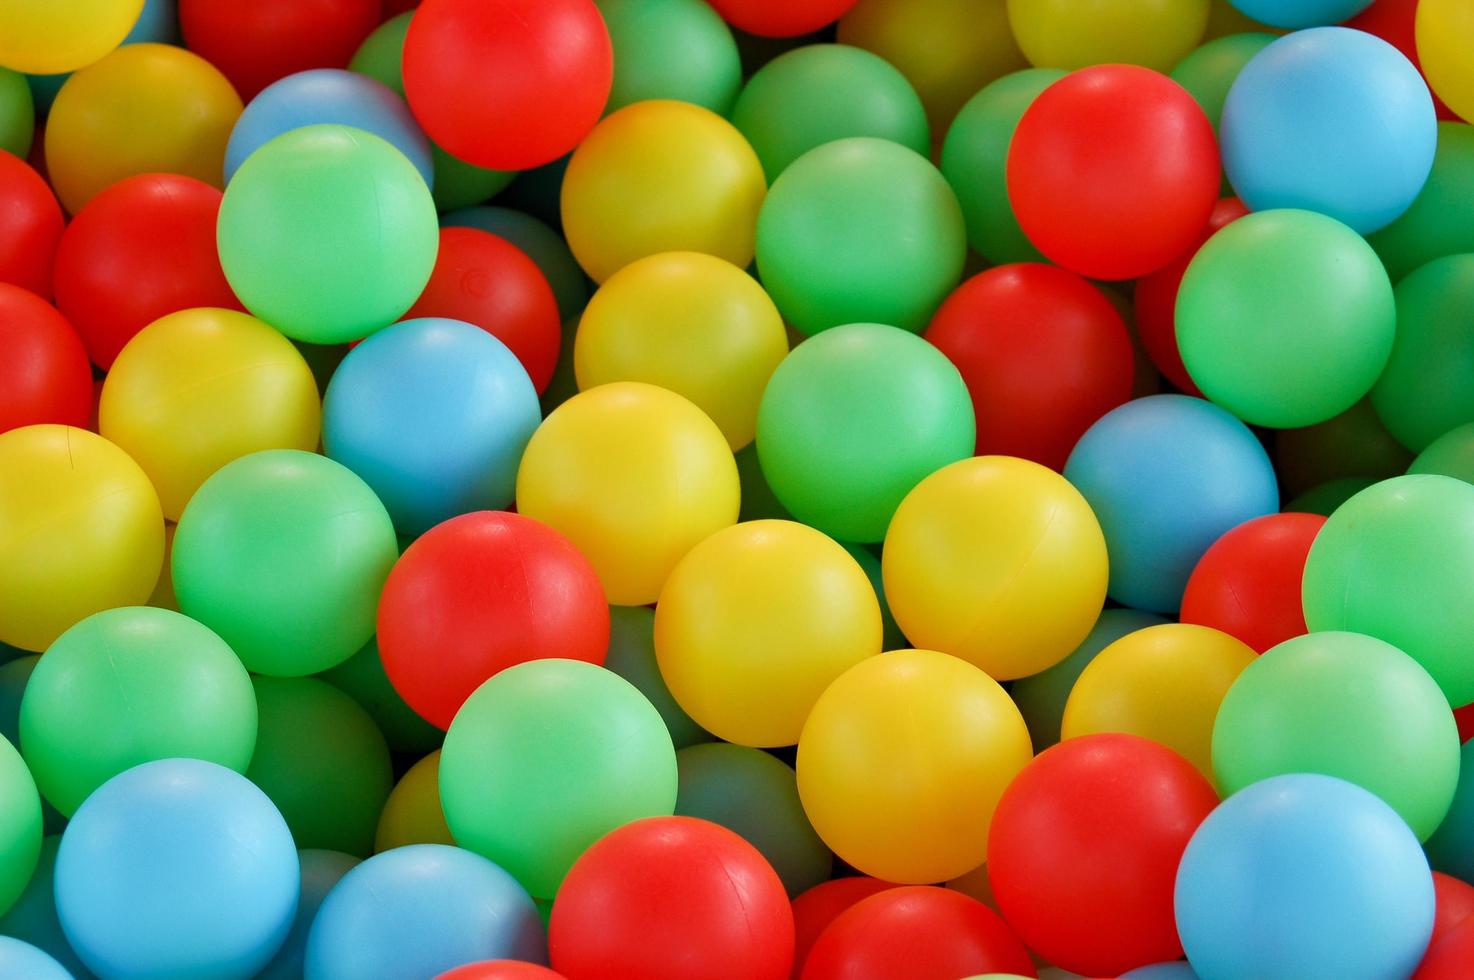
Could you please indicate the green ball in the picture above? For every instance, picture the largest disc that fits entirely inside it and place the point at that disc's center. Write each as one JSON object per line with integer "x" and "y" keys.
{"x": 671, "y": 49}
{"x": 1208, "y": 72}
{"x": 853, "y": 419}
{"x": 1396, "y": 562}
{"x": 1354, "y": 443}
{"x": 860, "y": 230}
{"x": 545, "y": 758}
{"x": 322, "y": 761}
{"x": 1285, "y": 318}
{"x": 362, "y": 678}
{"x": 631, "y": 655}
{"x": 33, "y": 917}
{"x": 754, "y": 795}
{"x": 1344, "y": 705}
{"x": 975, "y": 159}
{"x": 459, "y": 184}
{"x": 891, "y": 636}
{"x": 1428, "y": 386}
{"x": 824, "y": 92}
{"x": 17, "y": 113}
{"x": 1451, "y": 454}
{"x": 758, "y": 501}
{"x": 327, "y": 233}
{"x": 129, "y": 686}
{"x": 13, "y": 679}
{"x": 1326, "y": 497}
{"x": 1451, "y": 848}
{"x": 1441, "y": 219}
{"x": 284, "y": 553}
{"x": 381, "y": 55}
{"x": 540, "y": 243}
{"x": 20, "y": 825}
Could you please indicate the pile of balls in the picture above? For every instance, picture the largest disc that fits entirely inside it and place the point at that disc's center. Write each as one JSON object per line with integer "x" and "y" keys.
{"x": 736, "y": 489}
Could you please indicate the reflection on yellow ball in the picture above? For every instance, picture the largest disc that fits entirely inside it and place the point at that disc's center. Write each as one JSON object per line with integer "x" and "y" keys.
{"x": 634, "y": 476}
{"x": 1163, "y": 683}
{"x": 80, "y": 532}
{"x": 693, "y": 323}
{"x": 998, "y": 561}
{"x": 47, "y": 37}
{"x": 1445, "y": 38}
{"x": 412, "y": 813}
{"x": 661, "y": 176}
{"x": 196, "y": 389}
{"x": 1071, "y": 34}
{"x": 902, "y": 762}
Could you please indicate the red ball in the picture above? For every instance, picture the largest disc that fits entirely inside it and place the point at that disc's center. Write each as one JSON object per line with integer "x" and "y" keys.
{"x": 1464, "y": 718}
{"x": 1113, "y": 171}
{"x": 919, "y": 932}
{"x": 508, "y": 84}
{"x": 671, "y": 898}
{"x": 500, "y": 970}
{"x": 30, "y": 226}
{"x": 480, "y": 593}
{"x": 1451, "y": 958}
{"x": 1453, "y": 905}
{"x": 141, "y": 249}
{"x": 44, "y": 374}
{"x": 781, "y": 18}
{"x": 821, "y": 905}
{"x": 1247, "y": 584}
{"x": 1084, "y": 848}
{"x": 255, "y": 43}
{"x": 1044, "y": 354}
{"x": 487, "y": 281}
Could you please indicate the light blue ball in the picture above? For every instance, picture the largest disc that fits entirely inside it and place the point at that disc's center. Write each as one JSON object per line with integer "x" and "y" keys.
{"x": 321, "y": 871}
{"x": 22, "y": 961}
{"x": 329, "y": 95}
{"x": 158, "y": 23}
{"x": 1176, "y": 970}
{"x": 1166, "y": 476}
{"x": 433, "y": 414}
{"x": 418, "y": 911}
{"x": 1330, "y": 120}
{"x": 542, "y": 244}
{"x": 1295, "y": 14}
{"x": 1301, "y": 877}
{"x": 178, "y": 868}
{"x": 1451, "y": 848}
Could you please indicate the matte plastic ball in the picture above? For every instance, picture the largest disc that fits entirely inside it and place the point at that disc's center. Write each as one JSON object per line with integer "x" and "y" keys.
{"x": 32, "y": 919}
{"x": 1248, "y": 583}
{"x": 327, "y": 233}
{"x": 30, "y": 226}
{"x": 362, "y": 678}
{"x": 1072, "y": 34}
{"x": 321, "y": 872}
{"x": 1443, "y": 31}
{"x": 540, "y": 243}
{"x": 1304, "y": 875}
{"x": 1209, "y": 71}
{"x": 860, "y": 230}
{"x": 1451, "y": 454}
{"x": 500, "y": 970}
{"x": 20, "y": 825}
{"x": 1453, "y": 903}
{"x": 1113, "y": 171}
{"x": 1438, "y": 221}
{"x": 44, "y": 373}
{"x": 417, "y": 911}
{"x": 256, "y": 43}
{"x": 177, "y": 867}
{"x": 412, "y": 814}
{"x": 1450, "y": 847}
{"x": 17, "y": 113}
{"x": 1353, "y": 444}
{"x": 1295, "y": 14}
{"x": 816, "y": 908}
{"x": 46, "y": 38}
{"x": 22, "y": 960}
{"x": 671, "y": 49}
{"x": 710, "y": 898}
{"x": 283, "y": 553}
{"x": 631, "y": 655}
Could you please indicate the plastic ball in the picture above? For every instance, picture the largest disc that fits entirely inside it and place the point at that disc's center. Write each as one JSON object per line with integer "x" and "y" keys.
{"x": 1438, "y": 222}
{"x": 1353, "y": 444}
{"x": 283, "y": 553}
{"x": 32, "y": 919}
{"x": 688, "y": 174}
{"x": 362, "y": 677}
{"x": 1113, "y": 171}
{"x": 1450, "y": 958}
{"x": 781, "y": 18}
{"x": 412, "y": 813}
{"x": 17, "y": 113}
{"x": 321, "y": 872}
{"x": 634, "y": 476}
{"x": 1167, "y": 476}
{"x": 458, "y": 184}
{"x": 1443, "y": 30}
{"x": 44, "y": 372}
{"x": 20, "y": 825}
{"x": 705, "y": 892}
{"x": 816, "y": 908}
{"x": 500, "y": 970}
{"x": 631, "y": 655}
{"x": 417, "y": 911}
{"x": 1449, "y": 849}
{"x": 1173, "y": 970}
{"x": 1427, "y": 388}
{"x": 1451, "y": 454}
{"x": 30, "y": 226}
{"x": 20, "y": 959}
{"x": 1453, "y": 903}
{"x": 540, "y": 243}
{"x": 1295, "y": 14}
{"x": 45, "y": 38}
{"x": 671, "y": 49}
{"x": 860, "y": 230}
{"x": 1304, "y": 875}
{"x": 1209, "y": 71}
{"x": 381, "y": 55}
{"x": 1072, "y": 34}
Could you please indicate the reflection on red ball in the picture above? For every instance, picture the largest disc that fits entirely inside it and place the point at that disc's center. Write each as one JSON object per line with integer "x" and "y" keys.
{"x": 821, "y": 905}
{"x": 781, "y": 18}
{"x": 500, "y": 970}
{"x": 30, "y": 226}
{"x": 44, "y": 375}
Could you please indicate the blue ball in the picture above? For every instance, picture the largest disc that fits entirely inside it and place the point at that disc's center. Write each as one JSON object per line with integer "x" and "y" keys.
{"x": 1295, "y": 14}
{"x": 1166, "y": 476}
{"x": 433, "y": 414}
{"x": 1451, "y": 848}
{"x": 542, "y": 244}
{"x": 321, "y": 871}
{"x": 1304, "y": 876}
{"x": 329, "y": 95}
{"x": 1330, "y": 120}
{"x": 177, "y": 868}
{"x": 418, "y": 911}
{"x": 22, "y": 961}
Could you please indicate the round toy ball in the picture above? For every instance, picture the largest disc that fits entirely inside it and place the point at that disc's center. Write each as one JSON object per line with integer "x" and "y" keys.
{"x": 44, "y": 373}
{"x": 755, "y": 622}
{"x": 44, "y": 38}
{"x": 412, "y": 813}
{"x": 1304, "y": 875}
{"x": 1295, "y": 14}
{"x": 1113, "y": 171}
{"x": 539, "y": 242}
{"x": 631, "y": 655}
{"x": 32, "y": 919}
{"x": 1208, "y": 72}
{"x": 1393, "y": 562}
{"x": 177, "y": 866}
{"x": 998, "y": 561}
{"x": 913, "y": 807}
{"x": 1164, "y": 683}
{"x": 1444, "y": 29}
{"x": 634, "y": 476}
{"x": 1437, "y": 223}
{"x": 853, "y": 419}
{"x": 707, "y": 894}
{"x": 20, "y": 825}
{"x": 1072, "y": 34}
{"x": 1167, "y": 476}
{"x": 816, "y": 908}
{"x": 1173, "y": 970}
{"x": 417, "y": 911}
{"x": 20, "y": 959}
{"x": 1450, "y": 847}
{"x": 1453, "y": 903}
{"x": 689, "y": 175}
{"x": 547, "y": 757}
{"x": 80, "y": 531}
{"x": 508, "y": 85}
{"x": 1353, "y": 444}
{"x": 672, "y": 49}
{"x": 17, "y": 113}
{"x": 860, "y": 230}
{"x": 781, "y": 18}
{"x": 362, "y": 677}
{"x": 1451, "y": 454}
{"x": 283, "y": 553}
{"x": 321, "y": 872}
{"x": 30, "y": 226}
{"x": 500, "y": 970}
{"x": 327, "y": 233}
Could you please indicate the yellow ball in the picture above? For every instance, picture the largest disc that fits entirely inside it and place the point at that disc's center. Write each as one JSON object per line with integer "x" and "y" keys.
{"x": 1445, "y": 38}
{"x": 196, "y": 389}
{"x": 755, "y": 622}
{"x": 1163, "y": 683}
{"x": 412, "y": 814}
{"x": 661, "y": 176}
{"x": 693, "y": 323}
{"x": 635, "y": 476}
{"x": 80, "y": 532}
{"x": 145, "y": 108}
{"x": 1071, "y": 34}
{"x": 998, "y": 561}
{"x": 902, "y": 762}
{"x": 48, "y": 37}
